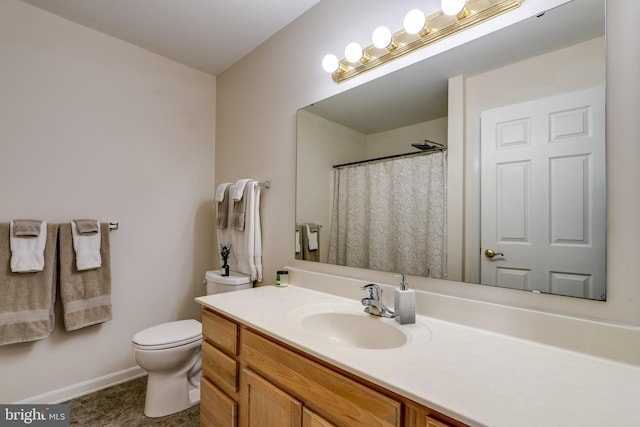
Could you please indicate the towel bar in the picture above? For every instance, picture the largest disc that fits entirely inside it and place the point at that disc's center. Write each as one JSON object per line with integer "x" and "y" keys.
{"x": 266, "y": 184}
{"x": 114, "y": 225}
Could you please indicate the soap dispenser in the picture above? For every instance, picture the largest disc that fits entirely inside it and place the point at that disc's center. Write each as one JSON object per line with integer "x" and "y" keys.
{"x": 404, "y": 303}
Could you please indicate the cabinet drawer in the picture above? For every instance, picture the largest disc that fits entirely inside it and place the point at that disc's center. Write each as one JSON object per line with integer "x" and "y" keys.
{"x": 216, "y": 408}
{"x": 221, "y": 369}
{"x": 333, "y": 396}
{"x": 221, "y": 332}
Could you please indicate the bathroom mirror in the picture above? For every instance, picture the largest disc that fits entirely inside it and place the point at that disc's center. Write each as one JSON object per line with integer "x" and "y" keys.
{"x": 521, "y": 113}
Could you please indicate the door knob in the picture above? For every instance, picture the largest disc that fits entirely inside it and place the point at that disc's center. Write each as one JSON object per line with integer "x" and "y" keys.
{"x": 490, "y": 253}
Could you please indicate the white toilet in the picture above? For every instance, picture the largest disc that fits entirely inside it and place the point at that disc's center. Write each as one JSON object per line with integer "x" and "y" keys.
{"x": 170, "y": 353}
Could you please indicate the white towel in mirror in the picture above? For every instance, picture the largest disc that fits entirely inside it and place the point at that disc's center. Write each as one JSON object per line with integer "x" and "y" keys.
{"x": 312, "y": 238}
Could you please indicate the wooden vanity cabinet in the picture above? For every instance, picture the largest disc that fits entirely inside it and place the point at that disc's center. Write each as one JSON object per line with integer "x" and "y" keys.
{"x": 251, "y": 380}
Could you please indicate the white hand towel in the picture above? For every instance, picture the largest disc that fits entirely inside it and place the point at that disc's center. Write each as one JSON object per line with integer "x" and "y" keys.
{"x": 27, "y": 253}
{"x": 257, "y": 231}
{"x": 238, "y": 189}
{"x": 312, "y": 238}
{"x": 246, "y": 252}
{"x": 297, "y": 241}
{"x": 220, "y": 191}
{"x": 87, "y": 248}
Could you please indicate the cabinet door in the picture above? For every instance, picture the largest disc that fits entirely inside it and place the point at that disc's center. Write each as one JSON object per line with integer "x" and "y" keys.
{"x": 216, "y": 408}
{"x": 265, "y": 405}
{"x": 311, "y": 419}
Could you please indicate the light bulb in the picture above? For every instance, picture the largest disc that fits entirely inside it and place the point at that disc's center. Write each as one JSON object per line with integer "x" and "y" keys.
{"x": 452, "y": 7}
{"x": 414, "y": 21}
{"x": 330, "y": 63}
{"x": 381, "y": 37}
{"x": 353, "y": 52}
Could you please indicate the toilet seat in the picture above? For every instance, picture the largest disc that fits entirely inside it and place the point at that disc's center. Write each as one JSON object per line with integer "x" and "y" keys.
{"x": 168, "y": 335}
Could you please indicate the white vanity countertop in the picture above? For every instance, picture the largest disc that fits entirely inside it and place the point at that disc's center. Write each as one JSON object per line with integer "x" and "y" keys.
{"x": 475, "y": 376}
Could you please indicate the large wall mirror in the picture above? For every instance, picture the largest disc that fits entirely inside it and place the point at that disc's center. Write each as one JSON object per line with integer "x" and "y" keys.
{"x": 483, "y": 164}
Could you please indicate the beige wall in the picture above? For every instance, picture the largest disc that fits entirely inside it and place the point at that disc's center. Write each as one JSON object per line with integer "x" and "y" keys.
{"x": 258, "y": 97}
{"x": 94, "y": 127}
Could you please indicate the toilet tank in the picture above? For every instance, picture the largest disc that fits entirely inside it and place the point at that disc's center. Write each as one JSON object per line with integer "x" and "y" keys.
{"x": 217, "y": 283}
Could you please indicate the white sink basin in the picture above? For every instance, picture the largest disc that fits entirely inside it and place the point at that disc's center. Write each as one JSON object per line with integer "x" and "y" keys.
{"x": 354, "y": 330}
{"x": 348, "y": 325}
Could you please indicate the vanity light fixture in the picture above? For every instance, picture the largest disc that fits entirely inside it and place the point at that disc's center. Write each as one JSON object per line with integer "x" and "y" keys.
{"x": 457, "y": 8}
{"x": 354, "y": 53}
{"x": 331, "y": 63}
{"x": 383, "y": 39}
{"x": 419, "y": 31}
{"x": 416, "y": 23}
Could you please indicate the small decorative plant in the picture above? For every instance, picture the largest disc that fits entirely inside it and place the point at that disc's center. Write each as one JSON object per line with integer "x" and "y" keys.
{"x": 225, "y": 251}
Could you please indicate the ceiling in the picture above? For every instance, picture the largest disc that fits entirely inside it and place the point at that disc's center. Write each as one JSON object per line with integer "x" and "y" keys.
{"x": 191, "y": 32}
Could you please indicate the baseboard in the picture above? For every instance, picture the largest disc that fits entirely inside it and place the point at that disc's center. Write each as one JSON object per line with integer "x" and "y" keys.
{"x": 86, "y": 387}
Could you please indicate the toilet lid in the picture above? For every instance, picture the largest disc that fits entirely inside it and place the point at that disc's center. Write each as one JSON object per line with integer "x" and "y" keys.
{"x": 169, "y": 334}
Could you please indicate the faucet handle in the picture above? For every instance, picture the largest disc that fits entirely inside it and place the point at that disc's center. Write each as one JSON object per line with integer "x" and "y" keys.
{"x": 373, "y": 290}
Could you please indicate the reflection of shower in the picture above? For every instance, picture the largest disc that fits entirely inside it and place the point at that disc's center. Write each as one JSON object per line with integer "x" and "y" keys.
{"x": 370, "y": 230}
{"x": 428, "y": 145}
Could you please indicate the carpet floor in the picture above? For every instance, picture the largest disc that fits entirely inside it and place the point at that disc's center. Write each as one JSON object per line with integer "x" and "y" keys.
{"x": 123, "y": 406}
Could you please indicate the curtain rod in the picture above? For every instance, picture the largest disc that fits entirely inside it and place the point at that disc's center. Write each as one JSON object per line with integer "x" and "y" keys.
{"x": 377, "y": 159}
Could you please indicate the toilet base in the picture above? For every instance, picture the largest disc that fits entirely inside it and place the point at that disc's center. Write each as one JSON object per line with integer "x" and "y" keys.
{"x": 168, "y": 394}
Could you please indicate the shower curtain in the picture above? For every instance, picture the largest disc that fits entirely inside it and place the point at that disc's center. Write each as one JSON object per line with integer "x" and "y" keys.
{"x": 391, "y": 216}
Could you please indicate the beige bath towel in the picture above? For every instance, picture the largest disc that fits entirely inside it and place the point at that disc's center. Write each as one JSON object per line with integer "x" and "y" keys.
{"x": 222, "y": 201}
{"x": 26, "y": 299}
{"x": 85, "y": 295}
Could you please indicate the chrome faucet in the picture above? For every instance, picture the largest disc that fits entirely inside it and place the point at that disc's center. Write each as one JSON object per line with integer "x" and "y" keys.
{"x": 373, "y": 304}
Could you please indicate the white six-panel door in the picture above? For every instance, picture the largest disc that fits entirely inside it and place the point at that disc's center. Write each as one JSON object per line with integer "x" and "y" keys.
{"x": 543, "y": 195}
